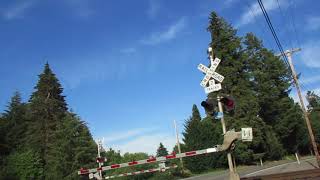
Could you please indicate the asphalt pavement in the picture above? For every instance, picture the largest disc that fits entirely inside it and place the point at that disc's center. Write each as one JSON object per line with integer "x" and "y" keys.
{"x": 269, "y": 168}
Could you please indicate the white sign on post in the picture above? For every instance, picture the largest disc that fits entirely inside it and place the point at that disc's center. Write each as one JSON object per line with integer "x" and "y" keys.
{"x": 211, "y": 76}
{"x": 246, "y": 134}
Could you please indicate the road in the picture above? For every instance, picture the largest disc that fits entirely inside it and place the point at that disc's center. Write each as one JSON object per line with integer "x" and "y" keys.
{"x": 271, "y": 168}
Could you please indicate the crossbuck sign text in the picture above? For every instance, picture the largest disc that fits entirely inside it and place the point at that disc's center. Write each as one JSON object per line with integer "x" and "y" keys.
{"x": 211, "y": 76}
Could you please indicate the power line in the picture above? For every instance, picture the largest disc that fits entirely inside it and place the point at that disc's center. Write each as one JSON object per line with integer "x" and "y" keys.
{"x": 262, "y": 29}
{"x": 291, "y": 10}
{"x": 285, "y": 24}
{"x": 275, "y": 36}
{"x": 265, "y": 14}
{"x": 293, "y": 24}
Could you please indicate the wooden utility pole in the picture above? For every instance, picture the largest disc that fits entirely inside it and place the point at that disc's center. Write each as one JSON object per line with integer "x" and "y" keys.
{"x": 233, "y": 175}
{"x": 178, "y": 143}
{"x": 288, "y": 53}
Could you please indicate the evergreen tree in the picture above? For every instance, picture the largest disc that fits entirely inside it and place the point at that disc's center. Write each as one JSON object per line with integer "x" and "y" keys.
{"x": 74, "y": 149}
{"x": 24, "y": 165}
{"x": 41, "y": 139}
{"x": 192, "y": 141}
{"x": 162, "y": 151}
{"x": 4, "y": 146}
{"x": 270, "y": 79}
{"x": 47, "y": 110}
{"x": 313, "y": 100}
{"x": 12, "y": 132}
{"x": 314, "y": 112}
{"x": 16, "y": 124}
{"x": 113, "y": 156}
{"x": 238, "y": 74}
{"x": 227, "y": 47}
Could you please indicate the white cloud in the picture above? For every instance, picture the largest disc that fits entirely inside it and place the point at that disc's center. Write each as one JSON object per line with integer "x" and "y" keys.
{"x": 18, "y": 10}
{"x": 79, "y": 70}
{"x": 254, "y": 10}
{"x": 310, "y": 54}
{"x": 313, "y": 23}
{"x": 153, "y": 9}
{"x": 167, "y": 35}
{"x": 147, "y": 143}
{"x": 140, "y": 140}
{"x": 125, "y": 135}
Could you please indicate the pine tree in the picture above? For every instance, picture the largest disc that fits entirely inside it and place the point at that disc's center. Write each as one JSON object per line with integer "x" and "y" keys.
{"x": 15, "y": 117}
{"x": 47, "y": 110}
{"x": 227, "y": 47}
{"x": 162, "y": 151}
{"x": 113, "y": 156}
{"x": 21, "y": 162}
{"x": 313, "y": 100}
{"x": 192, "y": 140}
{"x": 271, "y": 81}
{"x": 4, "y": 146}
{"x": 13, "y": 125}
{"x": 238, "y": 83}
{"x": 75, "y": 149}
{"x": 314, "y": 111}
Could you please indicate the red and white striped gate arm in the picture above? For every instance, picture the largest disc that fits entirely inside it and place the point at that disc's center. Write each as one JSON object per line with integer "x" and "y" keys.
{"x": 150, "y": 160}
{"x": 141, "y": 172}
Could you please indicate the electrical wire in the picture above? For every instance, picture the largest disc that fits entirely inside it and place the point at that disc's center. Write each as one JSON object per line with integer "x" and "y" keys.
{"x": 293, "y": 24}
{"x": 286, "y": 25}
{"x": 285, "y": 58}
{"x": 265, "y": 14}
{"x": 262, "y": 29}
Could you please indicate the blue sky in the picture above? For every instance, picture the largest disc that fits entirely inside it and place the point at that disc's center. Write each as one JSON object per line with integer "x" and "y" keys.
{"x": 129, "y": 68}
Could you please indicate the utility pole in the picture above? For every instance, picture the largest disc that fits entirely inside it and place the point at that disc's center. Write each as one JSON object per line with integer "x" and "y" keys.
{"x": 288, "y": 53}
{"x": 178, "y": 143}
{"x": 233, "y": 174}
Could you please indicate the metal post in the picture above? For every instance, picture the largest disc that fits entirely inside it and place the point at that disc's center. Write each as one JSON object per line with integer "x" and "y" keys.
{"x": 178, "y": 143}
{"x": 261, "y": 163}
{"x": 313, "y": 142}
{"x": 99, "y": 156}
{"x": 233, "y": 174}
{"x": 297, "y": 157}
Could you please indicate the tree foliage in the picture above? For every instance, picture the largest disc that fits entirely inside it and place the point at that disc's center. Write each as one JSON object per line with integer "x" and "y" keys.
{"x": 162, "y": 151}
{"x": 41, "y": 139}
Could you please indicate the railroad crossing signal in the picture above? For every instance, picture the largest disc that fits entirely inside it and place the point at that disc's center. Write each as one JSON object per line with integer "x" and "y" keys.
{"x": 210, "y": 105}
{"x": 211, "y": 76}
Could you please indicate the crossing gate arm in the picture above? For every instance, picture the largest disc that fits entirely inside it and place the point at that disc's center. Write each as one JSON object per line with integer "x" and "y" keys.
{"x": 141, "y": 172}
{"x": 150, "y": 160}
{"x": 229, "y": 138}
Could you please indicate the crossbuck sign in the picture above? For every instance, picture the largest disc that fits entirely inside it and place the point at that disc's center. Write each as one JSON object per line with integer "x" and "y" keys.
{"x": 211, "y": 76}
